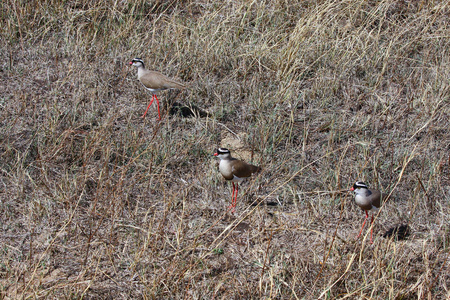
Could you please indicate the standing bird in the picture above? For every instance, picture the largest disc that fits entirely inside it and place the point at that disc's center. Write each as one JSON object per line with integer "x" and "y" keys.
{"x": 154, "y": 82}
{"x": 368, "y": 200}
{"x": 234, "y": 170}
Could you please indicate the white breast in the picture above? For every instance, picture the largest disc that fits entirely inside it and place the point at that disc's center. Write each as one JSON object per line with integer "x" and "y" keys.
{"x": 362, "y": 200}
{"x": 225, "y": 168}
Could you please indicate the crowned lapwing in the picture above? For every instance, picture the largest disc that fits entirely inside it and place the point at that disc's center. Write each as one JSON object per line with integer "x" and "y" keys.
{"x": 234, "y": 170}
{"x": 368, "y": 200}
{"x": 154, "y": 82}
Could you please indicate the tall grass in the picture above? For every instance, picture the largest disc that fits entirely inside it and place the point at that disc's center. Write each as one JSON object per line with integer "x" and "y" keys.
{"x": 98, "y": 203}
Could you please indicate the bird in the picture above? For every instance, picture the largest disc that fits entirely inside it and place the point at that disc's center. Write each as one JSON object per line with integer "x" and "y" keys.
{"x": 234, "y": 170}
{"x": 154, "y": 82}
{"x": 368, "y": 200}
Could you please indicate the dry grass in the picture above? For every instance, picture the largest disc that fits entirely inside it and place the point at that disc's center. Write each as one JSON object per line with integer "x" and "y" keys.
{"x": 96, "y": 203}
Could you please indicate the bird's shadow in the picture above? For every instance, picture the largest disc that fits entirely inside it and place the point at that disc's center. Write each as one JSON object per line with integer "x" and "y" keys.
{"x": 398, "y": 232}
{"x": 186, "y": 111}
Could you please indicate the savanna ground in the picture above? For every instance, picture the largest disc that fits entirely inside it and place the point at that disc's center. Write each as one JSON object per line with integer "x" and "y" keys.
{"x": 97, "y": 203}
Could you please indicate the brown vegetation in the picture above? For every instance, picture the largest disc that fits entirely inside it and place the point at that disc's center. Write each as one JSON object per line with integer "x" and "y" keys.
{"x": 97, "y": 203}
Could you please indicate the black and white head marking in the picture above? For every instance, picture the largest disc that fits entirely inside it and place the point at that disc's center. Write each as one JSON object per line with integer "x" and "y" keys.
{"x": 136, "y": 61}
{"x": 360, "y": 185}
{"x": 223, "y": 151}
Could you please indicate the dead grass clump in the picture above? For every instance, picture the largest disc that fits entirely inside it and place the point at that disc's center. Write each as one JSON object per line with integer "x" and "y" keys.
{"x": 98, "y": 203}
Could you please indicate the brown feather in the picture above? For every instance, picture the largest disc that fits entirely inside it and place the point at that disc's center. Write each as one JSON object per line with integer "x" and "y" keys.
{"x": 157, "y": 81}
{"x": 242, "y": 169}
{"x": 374, "y": 199}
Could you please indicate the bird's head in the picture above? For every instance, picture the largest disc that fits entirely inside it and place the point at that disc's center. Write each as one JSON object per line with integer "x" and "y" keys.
{"x": 222, "y": 153}
{"x": 137, "y": 62}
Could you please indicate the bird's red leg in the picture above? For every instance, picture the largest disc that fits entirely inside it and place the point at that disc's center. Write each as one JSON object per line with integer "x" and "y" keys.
{"x": 232, "y": 197}
{"x": 143, "y": 116}
{"x": 367, "y": 215}
{"x": 157, "y": 102}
